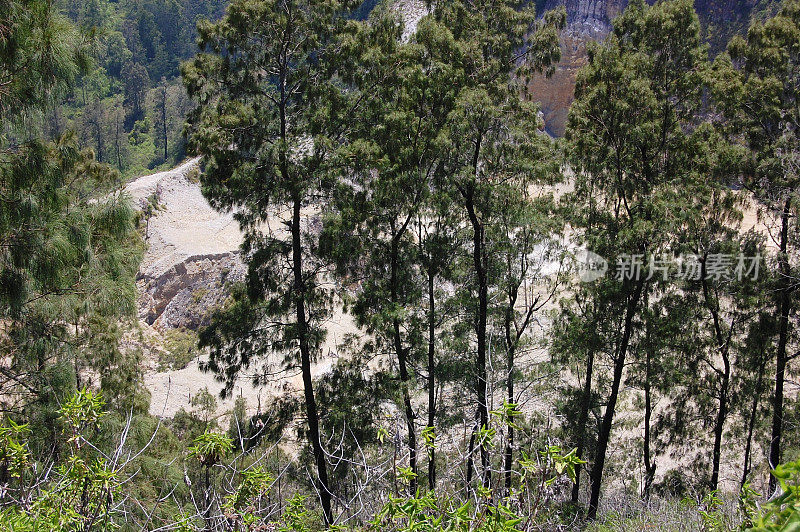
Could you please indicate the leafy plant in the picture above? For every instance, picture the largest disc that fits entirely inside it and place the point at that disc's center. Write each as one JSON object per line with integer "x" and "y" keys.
{"x": 240, "y": 507}
{"x": 14, "y": 454}
{"x": 81, "y": 412}
{"x": 210, "y": 448}
{"x": 783, "y": 512}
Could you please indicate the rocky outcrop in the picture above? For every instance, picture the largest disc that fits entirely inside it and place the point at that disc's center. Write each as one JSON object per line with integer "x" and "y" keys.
{"x": 411, "y": 11}
{"x": 191, "y": 261}
{"x": 555, "y": 94}
{"x": 590, "y": 20}
{"x": 192, "y": 250}
{"x": 186, "y": 294}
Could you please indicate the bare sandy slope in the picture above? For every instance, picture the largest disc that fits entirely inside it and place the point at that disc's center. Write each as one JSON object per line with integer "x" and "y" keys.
{"x": 172, "y": 390}
{"x": 184, "y": 227}
{"x": 187, "y": 227}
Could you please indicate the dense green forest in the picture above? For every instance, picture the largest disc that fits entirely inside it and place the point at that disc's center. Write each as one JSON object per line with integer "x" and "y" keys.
{"x": 128, "y": 105}
{"x": 590, "y": 333}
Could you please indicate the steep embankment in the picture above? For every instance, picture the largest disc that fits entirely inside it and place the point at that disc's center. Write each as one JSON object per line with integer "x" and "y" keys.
{"x": 590, "y": 20}
{"x": 191, "y": 260}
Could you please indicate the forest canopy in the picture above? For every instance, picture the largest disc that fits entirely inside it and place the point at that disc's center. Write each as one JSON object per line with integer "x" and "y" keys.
{"x": 595, "y": 332}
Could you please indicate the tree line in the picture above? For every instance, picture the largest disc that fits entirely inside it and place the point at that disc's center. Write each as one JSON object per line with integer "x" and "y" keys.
{"x": 411, "y": 183}
{"x": 128, "y": 105}
{"x": 426, "y": 166}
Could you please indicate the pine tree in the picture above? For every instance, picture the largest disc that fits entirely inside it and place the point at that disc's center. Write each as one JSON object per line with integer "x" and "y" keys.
{"x": 271, "y": 84}
{"x": 490, "y": 126}
{"x": 523, "y": 245}
{"x": 395, "y": 154}
{"x": 69, "y": 247}
{"x": 758, "y": 90}
{"x": 631, "y": 132}
{"x": 161, "y": 105}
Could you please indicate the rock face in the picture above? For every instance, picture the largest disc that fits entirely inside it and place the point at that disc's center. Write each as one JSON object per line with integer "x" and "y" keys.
{"x": 185, "y": 295}
{"x": 191, "y": 260}
{"x": 411, "y": 12}
{"x": 590, "y": 20}
{"x": 192, "y": 250}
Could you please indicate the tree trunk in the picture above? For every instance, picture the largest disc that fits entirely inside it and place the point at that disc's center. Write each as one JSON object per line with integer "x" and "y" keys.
{"x": 608, "y": 416}
{"x": 511, "y": 344}
{"x": 509, "y": 454}
{"x": 305, "y": 364}
{"x": 783, "y": 307}
{"x": 480, "y": 329}
{"x": 207, "y": 500}
{"x": 431, "y": 378}
{"x": 723, "y": 344}
{"x": 719, "y": 425}
{"x": 751, "y": 422}
{"x": 649, "y": 463}
{"x": 583, "y": 418}
{"x": 164, "y": 120}
{"x": 117, "y": 140}
{"x": 402, "y": 353}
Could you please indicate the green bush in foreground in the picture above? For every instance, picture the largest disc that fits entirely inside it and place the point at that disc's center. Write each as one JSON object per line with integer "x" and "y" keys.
{"x": 81, "y": 491}
{"x": 783, "y": 512}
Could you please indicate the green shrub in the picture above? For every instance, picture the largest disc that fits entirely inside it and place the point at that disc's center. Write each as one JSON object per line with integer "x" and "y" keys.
{"x": 783, "y": 512}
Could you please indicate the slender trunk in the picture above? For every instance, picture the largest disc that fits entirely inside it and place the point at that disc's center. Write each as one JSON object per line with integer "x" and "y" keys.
{"x": 723, "y": 344}
{"x": 783, "y": 307}
{"x": 751, "y": 422}
{"x": 511, "y": 345}
{"x": 482, "y": 414}
{"x": 719, "y": 425}
{"x": 302, "y": 330}
{"x": 471, "y": 452}
{"x": 482, "y": 411}
{"x": 583, "y": 418}
{"x": 77, "y": 363}
{"x": 608, "y": 416}
{"x": 117, "y": 142}
{"x": 431, "y": 378}
{"x": 207, "y": 500}
{"x": 99, "y": 141}
{"x": 402, "y": 362}
{"x": 164, "y": 121}
{"x": 305, "y": 364}
{"x": 509, "y": 454}
{"x": 649, "y": 463}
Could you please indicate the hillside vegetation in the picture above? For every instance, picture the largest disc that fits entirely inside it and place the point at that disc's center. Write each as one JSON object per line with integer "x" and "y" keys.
{"x": 587, "y": 333}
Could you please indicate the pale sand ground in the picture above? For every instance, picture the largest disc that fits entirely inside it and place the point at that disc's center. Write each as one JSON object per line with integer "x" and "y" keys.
{"x": 173, "y": 390}
{"x": 185, "y": 226}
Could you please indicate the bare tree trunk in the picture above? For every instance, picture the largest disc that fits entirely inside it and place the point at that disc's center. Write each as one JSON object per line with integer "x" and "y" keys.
{"x": 583, "y": 418}
{"x": 649, "y": 463}
{"x": 751, "y": 422}
{"x": 482, "y": 414}
{"x": 431, "y": 378}
{"x": 164, "y": 119}
{"x": 207, "y": 500}
{"x": 608, "y": 416}
{"x": 402, "y": 353}
{"x": 723, "y": 344}
{"x": 784, "y": 308}
{"x": 719, "y": 425}
{"x": 305, "y": 364}
{"x": 509, "y": 453}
